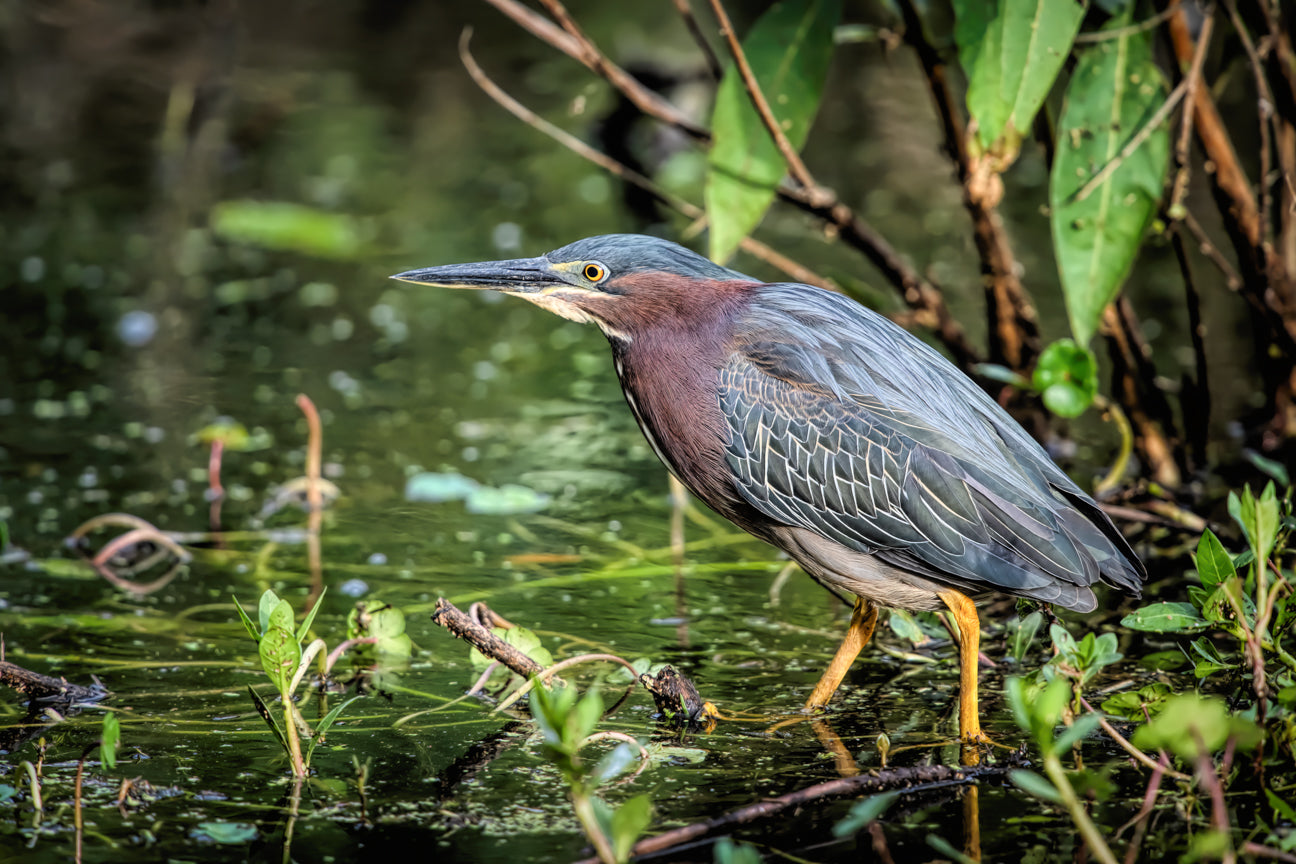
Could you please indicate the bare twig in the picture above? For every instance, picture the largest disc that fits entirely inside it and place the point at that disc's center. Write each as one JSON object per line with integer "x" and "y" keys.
{"x": 450, "y": 617}
{"x": 1264, "y": 104}
{"x": 1141, "y": 27}
{"x": 44, "y": 687}
{"x": 751, "y": 246}
{"x": 690, "y": 21}
{"x": 796, "y": 167}
{"x": 906, "y": 780}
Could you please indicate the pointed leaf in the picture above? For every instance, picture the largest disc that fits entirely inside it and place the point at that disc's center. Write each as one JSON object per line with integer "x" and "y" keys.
{"x": 323, "y": 726}
{"x": 268, "y": 717}
{"x": 1073, "y": 734}
{"x": 109, "y": 738}
{"x": 1034, "y": 784}
{"x": 247, "y": 621}
{"x": 1213, "y": 562}
{"x": 863, "y": 812}
{"x": 269, "y": 600}
{"x": 1114, "y": 91}
{"x": 788, "y": 49}
{"x": 628, "y": 822}
{"x": 1012, "y": 51}
{"x": 310, "y": 616}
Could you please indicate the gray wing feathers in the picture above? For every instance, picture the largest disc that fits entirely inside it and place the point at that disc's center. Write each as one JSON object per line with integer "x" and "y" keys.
{"x": 851, "y": 428}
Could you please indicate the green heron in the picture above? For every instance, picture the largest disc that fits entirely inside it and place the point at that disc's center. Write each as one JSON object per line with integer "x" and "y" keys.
{"x": 824, "y": 429}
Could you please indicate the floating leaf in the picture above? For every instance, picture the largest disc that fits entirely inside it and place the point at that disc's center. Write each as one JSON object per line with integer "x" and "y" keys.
{"x": 1012, "y": 51}
{"x": 788, "y": 49}
{"x": 1131, "y": 705}
{"x": 1166, "y": 618}
{"x": 287, "y": 227}
{"x": 1067, "y": 377}
{"x": 1113, "y": 93}
{"x": 506, "y": 500}
{"x": 226, "y": 833}
{"x": 435, "y": 487}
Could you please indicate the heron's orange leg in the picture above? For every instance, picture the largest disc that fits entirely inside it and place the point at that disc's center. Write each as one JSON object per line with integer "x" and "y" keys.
{"x": 969, "y": 627}
{"x": 863, "y": 620}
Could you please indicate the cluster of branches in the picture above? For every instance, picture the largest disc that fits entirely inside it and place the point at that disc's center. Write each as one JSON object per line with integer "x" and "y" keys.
{"x": 982, "y": 132}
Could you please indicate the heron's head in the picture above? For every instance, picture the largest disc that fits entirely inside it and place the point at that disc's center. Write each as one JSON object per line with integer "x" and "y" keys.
{"x": 624, "y": 283}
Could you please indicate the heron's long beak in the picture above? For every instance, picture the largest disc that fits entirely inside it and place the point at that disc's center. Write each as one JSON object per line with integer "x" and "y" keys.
{"x": 518, "y": 276}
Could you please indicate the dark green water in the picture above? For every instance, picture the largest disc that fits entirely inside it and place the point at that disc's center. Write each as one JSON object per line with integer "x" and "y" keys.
{"x": 129, "y": 325}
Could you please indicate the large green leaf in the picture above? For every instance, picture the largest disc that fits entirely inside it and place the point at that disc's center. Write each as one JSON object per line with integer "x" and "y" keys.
{"x": 1012, "y": 51}
{"x": 788, "y": 49}
{"x": 1115, "y": 90}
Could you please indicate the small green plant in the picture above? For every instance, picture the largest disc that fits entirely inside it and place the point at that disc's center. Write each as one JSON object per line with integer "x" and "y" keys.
{"x": 1242, "y": 612}
{"x": 285, "y": 663}
{"x": 567, "y": 722}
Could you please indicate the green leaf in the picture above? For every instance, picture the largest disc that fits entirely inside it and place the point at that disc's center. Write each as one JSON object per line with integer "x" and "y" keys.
{"x": 1024, "y": 636}
{"x": 268, "y": 717}
{"x": 1114, "y": 91}
{"x": 1166, "y": 618}
{"x": 1073, "y": 734}
{"x": 582, "y": 720}
{"x": 281, "y": 616}
{"x": 247, "y": 622}
{"x": 109, "y": 738}
{"x": 269, "y": 600}
{"x": 227, "y": 833}
{"x": 1012, "y": 51}
{"x": 288, "y": 227}
{"x": 1213, "y": 562}
{"x": 1033, "y": 784}
{"x": 788, "y": 49}
{"x": 1131, "y": 705}
{"x": 1187, "y": 724}
{"x": 628, "y": 822}
{"x": 1272, "y": 467}
{"x": 863, "y": 812}
{"x": 280, "y": 654}
{"x": 726, "y": 851}
{"x": 1067, "y": 377}
{"x": 615, "y": 762}
{"x": 323, "y": 726}
{"x": 310, "y": 616}
{"x": 903, "y": 625}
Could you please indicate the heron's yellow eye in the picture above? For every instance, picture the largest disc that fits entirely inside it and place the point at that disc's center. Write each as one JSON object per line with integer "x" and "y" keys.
{"x": 595, "y": 272}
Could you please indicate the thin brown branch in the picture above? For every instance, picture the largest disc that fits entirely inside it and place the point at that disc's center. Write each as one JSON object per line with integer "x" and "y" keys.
{"x": 575, "y": 44}
{"x": 1263, "y": 272}
{"x": 1206, "y": 246}
{"x": 905, "y": 780}
{"x": 690, "y": 21}
{"x": 447, "y": 615}
{"x": 796, "y": 167}
{"x": 1013, "y": 330}
{"x": 1141, "y": 27}
{"x": 1264, "y": 108}
{"x": 1195, "y": 400}
{"x": 1150, "y": 440}
{"x": 751, "y": 246}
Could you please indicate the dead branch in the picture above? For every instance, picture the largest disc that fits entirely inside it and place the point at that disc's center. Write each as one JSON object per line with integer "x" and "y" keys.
{"x": 37, "y": 686}
{"x": 450, "y": 617}
{"x": 904, "y": 780}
